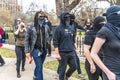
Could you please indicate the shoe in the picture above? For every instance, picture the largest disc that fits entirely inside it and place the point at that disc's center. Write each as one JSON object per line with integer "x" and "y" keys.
{"x": 65, "y": 78}
{"x": 23, "y": 69}
{"x": 18, "y": 75}
{"x": 81, "y": 76}
{"x": 2, "y": 64}
{"x": 35, "y": 78}
{"x": 48, "y": 55}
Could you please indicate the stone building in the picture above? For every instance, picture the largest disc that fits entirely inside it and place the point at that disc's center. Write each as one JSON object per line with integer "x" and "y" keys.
{"x": 11, "y": 5}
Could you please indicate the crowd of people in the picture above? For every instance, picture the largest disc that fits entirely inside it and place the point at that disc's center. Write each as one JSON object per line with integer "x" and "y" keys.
{"x": 101, "y": 45}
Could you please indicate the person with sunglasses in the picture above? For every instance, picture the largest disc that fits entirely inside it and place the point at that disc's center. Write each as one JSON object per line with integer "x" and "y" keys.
{"x": 36, "y": 40}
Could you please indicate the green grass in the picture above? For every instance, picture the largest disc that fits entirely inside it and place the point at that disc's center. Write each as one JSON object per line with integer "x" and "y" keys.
{"x": 54, "y": 64}
{"x": 7, "y": 53}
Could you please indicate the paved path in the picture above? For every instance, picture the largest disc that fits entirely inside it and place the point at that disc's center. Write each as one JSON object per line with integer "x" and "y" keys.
{"x": 8, "y": 71}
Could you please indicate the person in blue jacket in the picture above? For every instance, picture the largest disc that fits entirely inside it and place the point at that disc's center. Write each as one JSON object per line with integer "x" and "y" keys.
{"x": 64, "y": 43}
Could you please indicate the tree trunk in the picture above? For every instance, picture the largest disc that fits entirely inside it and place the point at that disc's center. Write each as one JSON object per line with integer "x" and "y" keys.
{"x": 114, "y": 2}
{"x": 65, "y": 5}
{"x": 118, "y": 2}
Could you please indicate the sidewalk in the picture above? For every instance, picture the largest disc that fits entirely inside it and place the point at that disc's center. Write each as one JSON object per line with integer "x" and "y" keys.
{"x": 8, "y": 71}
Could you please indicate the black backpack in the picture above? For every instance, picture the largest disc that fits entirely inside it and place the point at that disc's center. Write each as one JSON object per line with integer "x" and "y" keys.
{"x": 4, "y": 36}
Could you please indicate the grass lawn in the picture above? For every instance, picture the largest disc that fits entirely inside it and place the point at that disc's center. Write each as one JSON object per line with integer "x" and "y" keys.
{"x": 7, "y": 53}
{"x": 54, "y": 64}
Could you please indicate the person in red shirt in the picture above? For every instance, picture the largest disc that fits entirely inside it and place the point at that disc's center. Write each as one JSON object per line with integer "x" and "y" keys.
{"x": 0, "y": 36}
{"x": 2, "y": 62}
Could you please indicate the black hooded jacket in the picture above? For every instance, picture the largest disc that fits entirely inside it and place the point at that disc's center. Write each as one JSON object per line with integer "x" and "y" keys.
{"x": 64, "y": 36}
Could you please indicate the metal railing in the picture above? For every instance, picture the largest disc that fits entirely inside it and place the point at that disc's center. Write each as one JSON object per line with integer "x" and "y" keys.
{"x": 80, "y": 41}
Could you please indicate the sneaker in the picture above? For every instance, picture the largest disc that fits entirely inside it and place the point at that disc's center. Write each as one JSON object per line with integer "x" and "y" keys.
{"x": 48, "y": 55}
{"x": 65, "y": 78}
{"x": 2, "y": 64}
{"x": 35, "y": 78}
{"x": 23, "y": 69}
{"x": 18, "y": 75}
{"x": 81, "y": 76}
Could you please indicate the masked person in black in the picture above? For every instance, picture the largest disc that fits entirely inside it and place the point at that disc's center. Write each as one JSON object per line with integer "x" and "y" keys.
{"x": 36, "y": 39}
{"x": 92, "y": 69}
{"x": 64, "y": 40}
{"x": 108, "y": 38}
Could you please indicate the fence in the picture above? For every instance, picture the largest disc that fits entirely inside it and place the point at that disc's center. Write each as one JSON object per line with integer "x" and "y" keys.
{"x": 80, "y": 40}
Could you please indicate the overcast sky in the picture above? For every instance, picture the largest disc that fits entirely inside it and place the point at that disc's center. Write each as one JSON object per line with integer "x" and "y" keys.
{"x": 50, "y": 4}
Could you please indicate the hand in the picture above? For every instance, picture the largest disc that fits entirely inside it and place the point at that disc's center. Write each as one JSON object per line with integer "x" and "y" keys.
{"x": 29, "y": 57}
{"x": 111, "y": 76}
{"x": 0, "y": 37}
{"x": 77, "y": 51}
{"x": 19, "y": 27}
{"x": 92, "y": 68}
{"x": 58, "y": 57}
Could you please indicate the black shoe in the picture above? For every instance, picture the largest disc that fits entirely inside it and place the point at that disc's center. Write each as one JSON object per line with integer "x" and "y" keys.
{"x": 18, "y": 75}
{"x": 2, "y": 64}
{"x": 35, "y": 78}
{"x": 48, "y": 55}
{"x": 23, "y": 69}
{"x": 65, "y": 78}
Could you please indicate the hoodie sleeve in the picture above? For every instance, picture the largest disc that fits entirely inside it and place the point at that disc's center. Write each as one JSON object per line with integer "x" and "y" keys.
{"x": 56, "y": 37}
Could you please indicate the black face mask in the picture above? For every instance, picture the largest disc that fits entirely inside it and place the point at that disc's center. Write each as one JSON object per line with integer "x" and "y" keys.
{"x": 98, "y": 27}
{"x": 67, "y": 21}
{"x": 41, "y": 20}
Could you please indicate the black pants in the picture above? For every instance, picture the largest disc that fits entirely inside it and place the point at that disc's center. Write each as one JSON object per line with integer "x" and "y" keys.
{"x": 94, "y": 76}
{"x": 49, "y": 49}
{"x": 66, "y": 58}
{"x": 20, "y": 54}
{"x": 1, "y": 59}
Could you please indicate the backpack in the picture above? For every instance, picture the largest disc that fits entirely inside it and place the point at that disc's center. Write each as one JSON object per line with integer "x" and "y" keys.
{"x": 4, "y": 36}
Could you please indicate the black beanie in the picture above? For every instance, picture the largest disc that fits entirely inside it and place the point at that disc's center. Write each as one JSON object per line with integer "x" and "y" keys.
{"x": 96, "y": 24}
{"x": 72, "y": 16}
{"x": 97, "y": 20}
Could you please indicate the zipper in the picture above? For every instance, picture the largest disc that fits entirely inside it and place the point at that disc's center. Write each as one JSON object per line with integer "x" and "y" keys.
{"x": 41, "y": 38}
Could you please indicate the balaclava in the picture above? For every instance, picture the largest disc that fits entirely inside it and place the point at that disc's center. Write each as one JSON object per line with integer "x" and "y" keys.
{"x": 96, "y": 24}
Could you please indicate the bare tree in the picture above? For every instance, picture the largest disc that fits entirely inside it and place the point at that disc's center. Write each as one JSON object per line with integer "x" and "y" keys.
{"x": 66, "y": 5}
{"x": 113, "y": 2}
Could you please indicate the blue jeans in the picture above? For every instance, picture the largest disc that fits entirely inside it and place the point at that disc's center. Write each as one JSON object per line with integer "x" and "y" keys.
{"x": 78, "y": 63}
{"x": 39, "y": 60}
